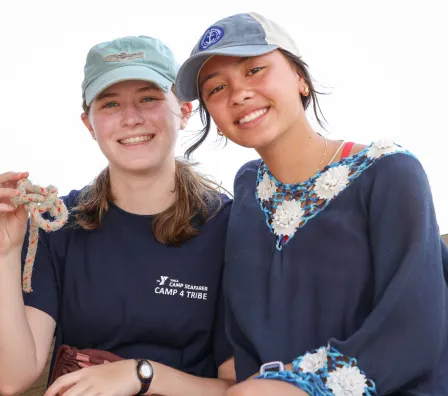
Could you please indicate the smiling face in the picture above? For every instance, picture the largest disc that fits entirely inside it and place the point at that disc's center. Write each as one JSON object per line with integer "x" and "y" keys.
{"x": 136, "y": 125}
{"x": 253, "y": 101}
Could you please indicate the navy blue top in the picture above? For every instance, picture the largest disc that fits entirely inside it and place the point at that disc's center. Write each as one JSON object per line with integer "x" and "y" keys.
{"x": 117, "y": 289}
{"x": 347, "y": 265}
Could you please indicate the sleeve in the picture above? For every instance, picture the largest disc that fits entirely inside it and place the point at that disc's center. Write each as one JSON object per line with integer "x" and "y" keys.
{"x": 221, "y": 346}
{"x": 445, "y": 259}
{"x": 245, "y": 364}
{"x": 401, "y": 342}
{"x": 44, "y": 294}
{"x": 222, "y": 350}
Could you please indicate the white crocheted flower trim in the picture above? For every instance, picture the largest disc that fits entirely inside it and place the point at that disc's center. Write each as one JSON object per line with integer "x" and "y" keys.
{"x": 347, "y": 381}
{"x": 287, "y": 218}
{"x": 332, "y": 182}
{"x": 382, "y": 147}
{"x": 339, "y": 373}
{"x": 266, "y": 188}
{"x": 313, "y": 362}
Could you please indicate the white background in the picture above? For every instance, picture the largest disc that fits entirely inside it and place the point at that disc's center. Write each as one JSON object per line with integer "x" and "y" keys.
{"x": 384, "y": 63}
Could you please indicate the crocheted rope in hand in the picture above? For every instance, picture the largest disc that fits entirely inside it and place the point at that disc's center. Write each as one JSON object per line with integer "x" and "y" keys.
{"x": 38, "y": 200}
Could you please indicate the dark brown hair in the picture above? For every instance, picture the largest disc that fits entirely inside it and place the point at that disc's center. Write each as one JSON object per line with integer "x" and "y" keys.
{"x": 302, "y": 69}
{"x": 197, "y": 200}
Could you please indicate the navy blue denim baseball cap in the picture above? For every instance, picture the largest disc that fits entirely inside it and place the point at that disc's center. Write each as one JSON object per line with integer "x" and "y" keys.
{"x": 241, "y": 35}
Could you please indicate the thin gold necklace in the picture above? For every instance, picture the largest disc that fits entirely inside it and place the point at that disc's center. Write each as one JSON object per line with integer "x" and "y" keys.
{"x": 325, "y": 153}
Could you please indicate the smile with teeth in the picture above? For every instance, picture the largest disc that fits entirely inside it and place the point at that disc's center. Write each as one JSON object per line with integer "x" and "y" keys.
{"x": 136, "y": 140}
{"x": 253, "y": 116}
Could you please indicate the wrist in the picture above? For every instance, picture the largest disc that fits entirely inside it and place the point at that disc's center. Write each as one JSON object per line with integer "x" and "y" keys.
{"x": 157, "y": 384}
{"x": 12, "y": 260}
{"x": 13, "y": 253}
{"x": 135, "y": 383}
{"x": 144, "y": 373}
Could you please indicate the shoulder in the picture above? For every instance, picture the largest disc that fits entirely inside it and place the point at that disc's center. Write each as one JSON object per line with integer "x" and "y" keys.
{"x": 225, "y": 204}
{"x": 391, "y": 162}
{"x": 218, "y": 207}
{"x": 387, "y": 168}
{"x": 383, "y": 167}
{"x": 225, "y": 200}
{"x": 71, "y": 199}
{"x": 249, "y": 168}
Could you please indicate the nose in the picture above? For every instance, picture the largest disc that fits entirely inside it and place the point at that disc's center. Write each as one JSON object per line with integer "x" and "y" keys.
{"x": 131, "y": 116}
{"x": 240, "y": 94}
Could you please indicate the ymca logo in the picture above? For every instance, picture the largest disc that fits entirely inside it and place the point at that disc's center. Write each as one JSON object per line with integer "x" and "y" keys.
{"x": 162, "y": 280}
{"x": 173, "y": 287}
{"x": 210, "y": 37}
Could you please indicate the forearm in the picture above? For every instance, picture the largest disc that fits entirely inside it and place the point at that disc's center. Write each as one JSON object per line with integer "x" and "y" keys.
{"x": 170, "y": 382}
{"x": 18, "y": 362}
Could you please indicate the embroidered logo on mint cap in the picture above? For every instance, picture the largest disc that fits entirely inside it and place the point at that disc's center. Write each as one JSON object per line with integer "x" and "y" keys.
{"x": 123, "y": 56}
{"x": 211, "y": 37}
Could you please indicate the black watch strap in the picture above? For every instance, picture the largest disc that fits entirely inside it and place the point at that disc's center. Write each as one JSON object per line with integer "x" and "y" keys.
{"x": 144, "y": 374}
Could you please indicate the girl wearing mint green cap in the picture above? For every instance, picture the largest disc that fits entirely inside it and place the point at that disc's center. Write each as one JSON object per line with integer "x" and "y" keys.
{"x": 136, "y": 271}
{"x": 334, "y": 277}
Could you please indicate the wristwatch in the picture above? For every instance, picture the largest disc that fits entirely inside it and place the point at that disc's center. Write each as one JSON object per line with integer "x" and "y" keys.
{"x": 144, "y": 374}
{"x": 272, "y": 367}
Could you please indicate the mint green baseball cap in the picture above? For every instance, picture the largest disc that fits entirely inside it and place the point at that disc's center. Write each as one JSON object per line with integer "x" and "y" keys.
{"x": 128, "y": 58}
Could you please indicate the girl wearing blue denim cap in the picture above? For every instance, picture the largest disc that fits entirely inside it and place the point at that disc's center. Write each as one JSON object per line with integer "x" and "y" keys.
{"x": 334, "y": 276}
{"x": 136, "y": 270}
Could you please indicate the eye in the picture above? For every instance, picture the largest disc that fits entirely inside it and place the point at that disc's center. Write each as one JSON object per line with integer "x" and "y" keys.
{"x": 254, "y": 70}
{"x": 215, "y": 90}
{"x": 109, "y": 105}
{"x": 149, "y": 99}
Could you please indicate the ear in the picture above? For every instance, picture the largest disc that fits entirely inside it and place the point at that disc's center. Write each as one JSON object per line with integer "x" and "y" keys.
{"x": 300, "y": 80}
{"x": 185, "y": 109}
{"x": 88, "y": 125}
{"x": 301, "y": 83}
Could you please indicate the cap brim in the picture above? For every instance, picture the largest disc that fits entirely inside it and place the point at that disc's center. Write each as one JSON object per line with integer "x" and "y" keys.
{"x": 186, "y": 81}
{"x": 125, "y": 73}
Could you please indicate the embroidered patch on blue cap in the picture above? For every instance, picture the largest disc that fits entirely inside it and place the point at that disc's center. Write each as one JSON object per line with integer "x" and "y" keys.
{"x": 211, "y": 37}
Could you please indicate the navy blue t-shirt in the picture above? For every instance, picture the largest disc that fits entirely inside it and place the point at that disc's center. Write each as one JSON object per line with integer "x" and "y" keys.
{"x": 117, "y": 289}
{"x": 346, "y": 265}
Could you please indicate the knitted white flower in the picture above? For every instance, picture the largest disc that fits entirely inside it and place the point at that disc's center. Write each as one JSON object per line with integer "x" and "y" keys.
{"x": 313, "y": 362}
{"x": 287, "y": 218}
{"x": 332, "y": 182}
{"x": 266, "y": 188}
{"x": 383, "y": 146}
{"x": 346, "y": 381}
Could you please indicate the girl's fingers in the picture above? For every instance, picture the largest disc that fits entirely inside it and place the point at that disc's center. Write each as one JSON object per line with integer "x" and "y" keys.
{"x": 9, "y": 193}
{"x": 12, "y": 176}
{"x": 4, "y": 207}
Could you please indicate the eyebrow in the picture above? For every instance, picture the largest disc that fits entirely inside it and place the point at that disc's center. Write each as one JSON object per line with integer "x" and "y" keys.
{"x": 212, "y": 75}
{"x": 149, "y": 87}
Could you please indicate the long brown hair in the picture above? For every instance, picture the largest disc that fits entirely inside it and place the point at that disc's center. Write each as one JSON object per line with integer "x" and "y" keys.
{"x": 197, "y": 200}
{"x": 311, "y": 99}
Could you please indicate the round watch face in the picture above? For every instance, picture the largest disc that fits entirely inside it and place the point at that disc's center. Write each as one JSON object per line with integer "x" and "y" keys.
{"x": 146, "y": 370}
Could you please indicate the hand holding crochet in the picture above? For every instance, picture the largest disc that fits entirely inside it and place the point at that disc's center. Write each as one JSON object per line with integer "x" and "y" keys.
{"x": 13, "y": 218}
{"x": 26, "y": 197}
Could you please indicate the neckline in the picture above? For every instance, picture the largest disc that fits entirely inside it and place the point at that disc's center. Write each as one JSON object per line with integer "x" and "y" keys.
{"x": 129, "y": 217}
{"x": 291, "y": 186}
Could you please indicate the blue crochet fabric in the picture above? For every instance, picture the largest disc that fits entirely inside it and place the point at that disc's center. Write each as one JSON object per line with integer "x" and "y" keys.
{"x": 305, "y": 193}
{"x": 310, "y": 383}
{"x": 315, "y": 383}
